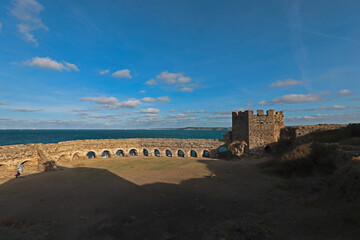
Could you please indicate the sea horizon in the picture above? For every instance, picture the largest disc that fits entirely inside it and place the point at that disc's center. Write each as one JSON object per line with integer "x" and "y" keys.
{"x": 33, "y": 136}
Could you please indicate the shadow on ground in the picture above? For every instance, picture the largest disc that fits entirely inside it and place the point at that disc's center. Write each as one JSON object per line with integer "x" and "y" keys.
{"x": 91, "y": 203}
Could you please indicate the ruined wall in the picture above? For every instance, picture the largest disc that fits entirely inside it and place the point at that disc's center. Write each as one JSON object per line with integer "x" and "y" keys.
{"x": 38, "y": 154}
{"x": 257, "y": 130}
{"x": 299, "y": 131}
{"x": 240, "y": 126}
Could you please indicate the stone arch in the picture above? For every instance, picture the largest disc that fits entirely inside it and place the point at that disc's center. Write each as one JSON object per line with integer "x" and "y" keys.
{"x": 91, "y": 154}
{"x": 106, "y": 154}
{"x": 206, "y": 153}
{"x": 267, "y": 149}
{"x": 157, "y": 153}
{"x": 29, "y": 165}
{"x": 119, "y": 153}
{"x": 180, "y": 153}
{"x": 133, "y": 152}
{"x": 145, "y": 152}
{"x": 76, "y": 156}
{"x": 223, "y": 148}
{"x": 193, "y": 153}
{"x": 223, "y": 151}
{"x": 64, "y": 157}
{"x": 168, "y": 153}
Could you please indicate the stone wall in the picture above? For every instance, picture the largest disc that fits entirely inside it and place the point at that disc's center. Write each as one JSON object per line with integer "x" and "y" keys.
{"x": 257, "y": 130}
{"x": 299, "y": 131}
{"x": 38, "y": 154}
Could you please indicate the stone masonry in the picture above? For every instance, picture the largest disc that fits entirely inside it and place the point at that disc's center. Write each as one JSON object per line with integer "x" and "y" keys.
{"x": 257, "y": 130}
{"x": 39, "y": 154}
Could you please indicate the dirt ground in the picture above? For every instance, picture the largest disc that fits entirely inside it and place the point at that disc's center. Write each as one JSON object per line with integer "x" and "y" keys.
{"x": 169, "y": 198}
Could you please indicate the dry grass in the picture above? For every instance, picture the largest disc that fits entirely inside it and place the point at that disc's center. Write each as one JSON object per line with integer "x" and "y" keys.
{"x": 304, "y": 160}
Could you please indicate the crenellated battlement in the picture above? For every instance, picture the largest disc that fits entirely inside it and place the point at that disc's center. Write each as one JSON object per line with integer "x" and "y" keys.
{"x": 259, "y": 112}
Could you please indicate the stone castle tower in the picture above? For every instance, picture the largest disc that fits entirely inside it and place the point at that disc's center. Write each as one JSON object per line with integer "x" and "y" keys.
{"x": 257, "y": 130}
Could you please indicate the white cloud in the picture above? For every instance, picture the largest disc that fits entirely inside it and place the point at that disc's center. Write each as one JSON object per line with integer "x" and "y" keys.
{"x": 149, "y": 110}
{"x": 186, "y": 89}
{"x": 151, "y": 100}
{"x": 27, "y": 110}
{"x": 172, "y": 78}
{"x": 103, "y": 72}
{"x": 148, "y": 99}
{"x": 169, "y": 78}
{"x": 142, "y": 91}
{"x": 151, "y": 82}
{"x": 346, "y": 92}
{"x": 183, "y": 79}
{"x": 293, "y": 98}
{"x": 193, "y": 111}
{"x": 71, "y": 66}
{"x": 179, "y": 115}
{"x": 326, "y": 118}
{"x": 218, "y": 117}
{"x": 49, "y": 63}
{"x": 27, "y": 12}
{"x": 125, "y": 73}
{"x": 164, "y": 99}
{"x": 228, "y": 112}
{"x": 107, "y": 116}
{"x": 25, "y": 31}
{"x": 262, "y": 102}
{"x": 172, "y": 110}
{"x": 113, "y": 103}
{"x": 338, "y": 107}
{"x": 335, "y": 107}
{"x": 286, "y": 83}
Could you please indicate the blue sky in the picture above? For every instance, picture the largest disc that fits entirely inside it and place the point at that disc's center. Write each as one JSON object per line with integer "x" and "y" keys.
{"x": 157, "y": 64}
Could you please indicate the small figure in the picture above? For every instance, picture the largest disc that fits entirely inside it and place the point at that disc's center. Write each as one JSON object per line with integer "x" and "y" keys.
{"x": 20, "y": 168}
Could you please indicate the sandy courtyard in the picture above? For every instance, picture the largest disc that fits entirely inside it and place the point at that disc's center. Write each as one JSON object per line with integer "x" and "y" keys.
{"x": 165, "y": 198}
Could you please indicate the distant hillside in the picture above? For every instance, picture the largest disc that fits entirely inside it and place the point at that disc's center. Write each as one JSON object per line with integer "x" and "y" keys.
{"x": 193, "y": 128}
{"x": 206, "y": 128}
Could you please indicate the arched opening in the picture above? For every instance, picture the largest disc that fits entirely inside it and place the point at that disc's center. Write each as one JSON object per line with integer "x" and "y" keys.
{"x": 181, "y": 153}
{"x": 206, "y": 153}
{"x": 222, "y": 149}
{"x": 63, "y": 157}
{"x": 146, "y": 152}
{"x": 133, "y": 152}
{"x": 90, "y": 155}
{"x": 157, "y": 153}
{"x": 120, "y": 153}
{"x": 105, "y": 154}
{"x": 223, "y": 152}
{"x": 76, "y": 156}
{"x": 193, "y": 153}
{"x": 268, "y": 149}
{"x": 168, "y": 153}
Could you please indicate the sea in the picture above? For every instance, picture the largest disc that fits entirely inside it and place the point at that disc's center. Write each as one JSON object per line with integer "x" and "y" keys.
{"x": 11, "y": 137}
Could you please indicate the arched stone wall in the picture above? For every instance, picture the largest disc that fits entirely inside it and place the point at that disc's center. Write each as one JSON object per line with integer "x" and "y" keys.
{"x": 13, "y": 155}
